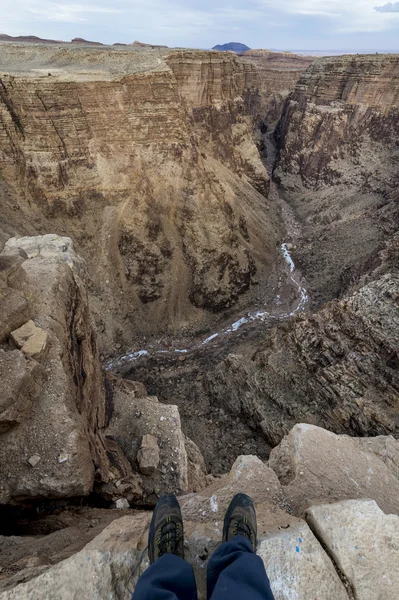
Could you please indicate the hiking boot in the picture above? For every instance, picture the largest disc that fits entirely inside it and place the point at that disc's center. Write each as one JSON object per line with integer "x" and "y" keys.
{"x": 166, "y": 530}
{"x": 240, "y": 519}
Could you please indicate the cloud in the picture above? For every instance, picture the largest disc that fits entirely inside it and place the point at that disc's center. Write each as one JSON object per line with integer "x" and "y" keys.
{"x": 388, "y": 8}
{"x": 68, "y": 13}
{"x": 340, "y": 16}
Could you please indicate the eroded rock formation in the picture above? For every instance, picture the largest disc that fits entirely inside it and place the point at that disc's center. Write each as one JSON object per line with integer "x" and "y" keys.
{"x": 54, "y": 400}
{"x": 150, "y": 161}
{"x": 156, "y": 167}
{"x": 336, "y": 368}
{"x": 338, "y": 157}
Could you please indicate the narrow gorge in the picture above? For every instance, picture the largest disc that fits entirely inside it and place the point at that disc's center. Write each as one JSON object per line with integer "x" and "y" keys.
{"x": 199, "y": 271}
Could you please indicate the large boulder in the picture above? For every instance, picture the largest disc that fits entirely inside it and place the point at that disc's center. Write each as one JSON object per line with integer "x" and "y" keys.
{"x": 298, "y": 567}
{"x": 101, "y": 570}
{"x": 364, "y": 543}
{"x": 316, "y": 466}
{"x": 248, "y": 474}
{"x": 152, "y": 440}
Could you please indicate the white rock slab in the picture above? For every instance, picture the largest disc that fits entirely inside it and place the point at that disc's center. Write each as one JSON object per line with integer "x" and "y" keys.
{"x": 100, "y": 571}
{"x": 298, "y": 568}
{"x": 364, "y": 543}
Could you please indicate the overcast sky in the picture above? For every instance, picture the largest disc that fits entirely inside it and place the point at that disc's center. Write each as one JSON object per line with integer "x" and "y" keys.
{"x": 281, "y": 24}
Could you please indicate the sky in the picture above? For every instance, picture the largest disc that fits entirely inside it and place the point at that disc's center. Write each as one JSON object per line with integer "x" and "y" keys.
{"x": 341, "y": 25}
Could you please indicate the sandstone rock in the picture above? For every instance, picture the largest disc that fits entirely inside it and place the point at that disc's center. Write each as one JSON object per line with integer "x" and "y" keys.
{"x": 148, "y": 455}
{"x": 34, "y": 460}
{"x": 52, "y": 538}
{"x": 248, "y": 474}
{"x": 122, "y": 503}
{"x": 132, "y": 418}
{"x": 20, "y": 380}
{"x": 30, "y": 339}
{"x": 364, "y": 543}
{"x": 66, "y": 391}
{"x": 386, "y": 448}
{"x": 103, "y": 567}
{"x": 49, "y": 246}
{"x": 13, "y": 311}
{"x": 298, "y": 567}
{"x": 317, "y": 466}
{"x": 197, "y": 471}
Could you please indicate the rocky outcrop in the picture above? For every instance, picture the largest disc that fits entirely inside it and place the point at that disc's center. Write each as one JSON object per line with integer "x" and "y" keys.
{"x": 345, "y": 549}
{"x": 60, "y": 419}
{"x": 337, "y": 162}
{"x": 53, "y": 402}
{"x": 151, "y": 438}
{"x": 104, "y": 566}
{"x": 317, "y": 466}
{"x": 336, "y": 368}
{"x": 363, "y": 543}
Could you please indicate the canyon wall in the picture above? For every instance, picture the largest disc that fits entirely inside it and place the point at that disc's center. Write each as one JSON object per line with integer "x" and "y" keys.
{"x": 279, "y": 73}
{"x": 149, "y": 160}
{"x": 338, "y": 142}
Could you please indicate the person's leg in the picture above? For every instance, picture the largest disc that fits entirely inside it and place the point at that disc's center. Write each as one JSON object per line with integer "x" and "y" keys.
{"x": 168, "y": 578}
{"x": 236, "y": 573}
{"x": 234, "y": 570}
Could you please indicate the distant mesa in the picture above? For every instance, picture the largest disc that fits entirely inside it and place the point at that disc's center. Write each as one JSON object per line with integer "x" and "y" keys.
{"x": 143, "y": 45}
{"x": 33, "y": 39}
{"x": 85, "y": 42}
{"x": 27, "y": 38}
{"x": 233, "y": 46}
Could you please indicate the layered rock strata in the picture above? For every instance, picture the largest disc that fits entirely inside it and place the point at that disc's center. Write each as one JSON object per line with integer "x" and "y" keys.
{"x": 337, "y": 368}
{"x": 149, "y": 160}
{"x": 279, "y": 73}
{"x": 338, "y": 147}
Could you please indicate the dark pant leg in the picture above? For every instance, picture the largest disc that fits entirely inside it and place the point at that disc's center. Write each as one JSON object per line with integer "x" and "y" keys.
{"x": 168, "y": 578}
{"x": 236, "y": 573}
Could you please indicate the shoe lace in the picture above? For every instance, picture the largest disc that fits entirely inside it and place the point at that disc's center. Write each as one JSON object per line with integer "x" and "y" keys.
{"x": 242, "y": 527}
{"x": 169, "y": 537}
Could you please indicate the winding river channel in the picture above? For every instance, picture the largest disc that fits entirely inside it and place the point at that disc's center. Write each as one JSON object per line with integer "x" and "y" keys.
{"x": 250, "y": 317}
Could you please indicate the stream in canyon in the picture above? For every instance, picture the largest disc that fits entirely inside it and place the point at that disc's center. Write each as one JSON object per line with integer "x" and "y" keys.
{"x": 261, "y": 316}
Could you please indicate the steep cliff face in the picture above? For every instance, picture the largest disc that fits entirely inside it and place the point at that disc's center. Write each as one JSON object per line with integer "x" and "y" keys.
{"x": 337, "y": 368}
{"x": 148, "y": 160}
{"x": 279, "y": 73}
{"x": 338, "y": 164}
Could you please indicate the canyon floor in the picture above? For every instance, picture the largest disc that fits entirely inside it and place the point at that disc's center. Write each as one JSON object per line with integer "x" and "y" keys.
{"x": 199, "y": 295}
